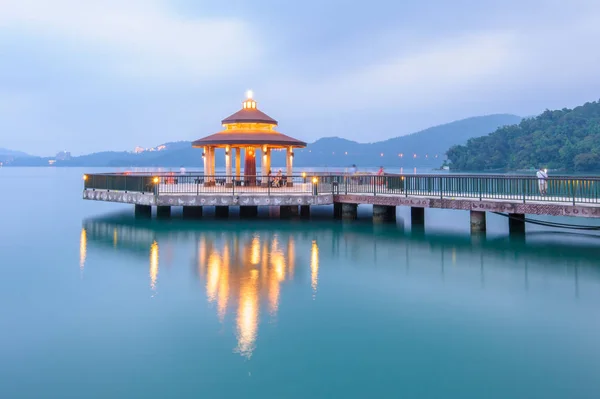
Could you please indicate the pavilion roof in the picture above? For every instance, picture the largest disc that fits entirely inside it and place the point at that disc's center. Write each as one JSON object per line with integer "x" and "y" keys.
{"x": 248, "y": 137}
{"x": 249, "y": 115}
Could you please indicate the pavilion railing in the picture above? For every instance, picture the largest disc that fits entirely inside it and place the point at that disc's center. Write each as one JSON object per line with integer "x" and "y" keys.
{"x": 562, "y": 189}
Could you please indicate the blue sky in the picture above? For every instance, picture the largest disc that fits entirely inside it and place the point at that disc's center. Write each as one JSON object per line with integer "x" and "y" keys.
{"x": 113, "y": 74}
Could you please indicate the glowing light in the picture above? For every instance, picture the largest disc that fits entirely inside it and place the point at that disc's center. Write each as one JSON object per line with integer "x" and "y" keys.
{"x": 314, "y": 266}
{"x": 115, "y": 237}
{"x": 382, "y": 154}
{"x": 401, "y": 155}
{"x": 255, "y": 251}
{"x": 249, "y": 94}
{"x": 85, "y": 177}
{"x": 346, "y": 153}
{"x": 155, "y": 180}
{"x": 153, "y": 265}
{"x": 415, "y": 155}
{"x": 315, "y": 180}
{"x": 304, "y": 174}
{"x": 212, "y": 280}
{"x": 82, "y": 248}
{"x": 247, "y": 317}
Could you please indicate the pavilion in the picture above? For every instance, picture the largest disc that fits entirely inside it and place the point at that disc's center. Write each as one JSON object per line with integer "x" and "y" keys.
{"x": 251, "y": 130}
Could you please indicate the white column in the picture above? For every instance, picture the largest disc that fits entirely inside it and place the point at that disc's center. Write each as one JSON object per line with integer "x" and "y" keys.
{"x": 228, "y": 165}
{"x": 238, "y": 162}
{"x": 289, "y": 161}
{"x": 268, "y": 160}
{"x": 263, "y": 165}
{"x": 204, "y": 155}
{"x": 212, "y": 163}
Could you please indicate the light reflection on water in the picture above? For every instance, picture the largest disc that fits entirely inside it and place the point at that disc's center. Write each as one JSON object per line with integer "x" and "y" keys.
{"x": 244, "y": 267}
{"x": 240, "y": 271}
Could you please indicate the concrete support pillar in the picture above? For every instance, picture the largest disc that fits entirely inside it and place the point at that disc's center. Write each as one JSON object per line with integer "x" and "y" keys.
{"x": 238, "y": 163}
{"x": 305, "y": 211}
{"x": 163, "y": 212}
{"x": 247, "y": 212}
{"x": 384, "y": 213}
{"x": 289, "y": 161}
{"x": 516, "y": 223}
{"x": 337, "y": 211}
{"x": 288, "y": 211}
{"x": 478, "y": 222}
{"x": 349, "y": 211}
{"x": 192, "y": 212}
{"x": 222, "y": 212}
{"x": 417, "y": 216}
{"x": 228, "y": 172}
{"x": 143, "y": 211}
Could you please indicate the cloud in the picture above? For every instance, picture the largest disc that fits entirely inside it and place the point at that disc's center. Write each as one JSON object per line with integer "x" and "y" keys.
{"x": 431, "y": 74}
{"x": 137, "y": 38}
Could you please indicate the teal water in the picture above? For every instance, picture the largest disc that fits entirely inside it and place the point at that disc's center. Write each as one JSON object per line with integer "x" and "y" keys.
{"x": 96, "y": 304}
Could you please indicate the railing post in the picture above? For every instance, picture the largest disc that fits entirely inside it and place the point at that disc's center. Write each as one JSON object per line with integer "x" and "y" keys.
{"x": 441, "y": 191}
{"x": 573, "y": 192}
{"x": 374, "y": 180}
{"x": 524, "y": 190}
{"x": 233, "y": 186}
{"x": 479, "y": 188}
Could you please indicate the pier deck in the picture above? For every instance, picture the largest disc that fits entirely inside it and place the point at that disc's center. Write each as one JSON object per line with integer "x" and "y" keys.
{"x": 515, "y": 195}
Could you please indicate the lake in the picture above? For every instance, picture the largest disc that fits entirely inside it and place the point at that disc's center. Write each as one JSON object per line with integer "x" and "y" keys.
{"x": 97, "y": 304}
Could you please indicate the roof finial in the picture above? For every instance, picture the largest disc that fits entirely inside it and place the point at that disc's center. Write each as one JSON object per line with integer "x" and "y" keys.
{"x": 249, "y": 94}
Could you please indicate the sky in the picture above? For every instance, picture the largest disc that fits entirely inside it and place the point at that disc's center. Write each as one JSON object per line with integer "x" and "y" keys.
{"x": 94, "y": 75}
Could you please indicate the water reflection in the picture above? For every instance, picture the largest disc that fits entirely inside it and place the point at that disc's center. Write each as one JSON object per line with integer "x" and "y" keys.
{"x": 153, "y": 265}
{"x": 82, "y": 249}
{"x": 244, "y": 270}
{"x": 314, "y": 266}
{"x": 244, "y": 267}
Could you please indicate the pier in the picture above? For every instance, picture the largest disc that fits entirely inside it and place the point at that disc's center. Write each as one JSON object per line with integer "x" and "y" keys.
{"x": 249, "y": 131}
{"x": 515, "y": 196}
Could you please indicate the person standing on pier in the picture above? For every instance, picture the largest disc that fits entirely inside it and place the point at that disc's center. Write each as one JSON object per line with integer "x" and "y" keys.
{"x": 542, "y": 176}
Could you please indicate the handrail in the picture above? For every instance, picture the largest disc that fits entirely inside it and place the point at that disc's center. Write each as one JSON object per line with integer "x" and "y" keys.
{"x": 522, "y": 189}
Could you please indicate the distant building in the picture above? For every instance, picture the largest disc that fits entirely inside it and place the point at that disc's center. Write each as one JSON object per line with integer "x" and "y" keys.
{"x": 161, "y": 147}
{"x": 63, "y": 156}
{"x": 139, "y": 150}
{"x": 51, "y": 162}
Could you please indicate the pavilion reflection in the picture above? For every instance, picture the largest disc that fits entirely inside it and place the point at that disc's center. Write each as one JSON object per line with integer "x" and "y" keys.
{"x": 242, "y": 268}
{"x": 245, "y": 272}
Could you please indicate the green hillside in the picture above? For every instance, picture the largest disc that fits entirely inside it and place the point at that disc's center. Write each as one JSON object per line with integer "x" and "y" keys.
{"x": 567, "y": 139}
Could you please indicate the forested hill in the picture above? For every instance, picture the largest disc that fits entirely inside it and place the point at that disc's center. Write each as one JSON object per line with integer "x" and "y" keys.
{"x": 567, "y": 139}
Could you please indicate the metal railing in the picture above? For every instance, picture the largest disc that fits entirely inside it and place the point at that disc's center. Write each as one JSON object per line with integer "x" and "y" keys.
{"x": 564, "y": 189}
{"x": 189, "y": 184}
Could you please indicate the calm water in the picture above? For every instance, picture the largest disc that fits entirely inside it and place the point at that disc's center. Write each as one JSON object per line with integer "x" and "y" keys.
{"x": 99, "y": 305}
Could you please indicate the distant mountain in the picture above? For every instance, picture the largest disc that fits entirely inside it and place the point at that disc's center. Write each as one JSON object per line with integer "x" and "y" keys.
{"x": 7, "y": 152}
{"x": 430, "y": 146}
{"x": 566, "y": 139}
{"x": 399, "y": 151}
{"x": 7, "y": 155}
